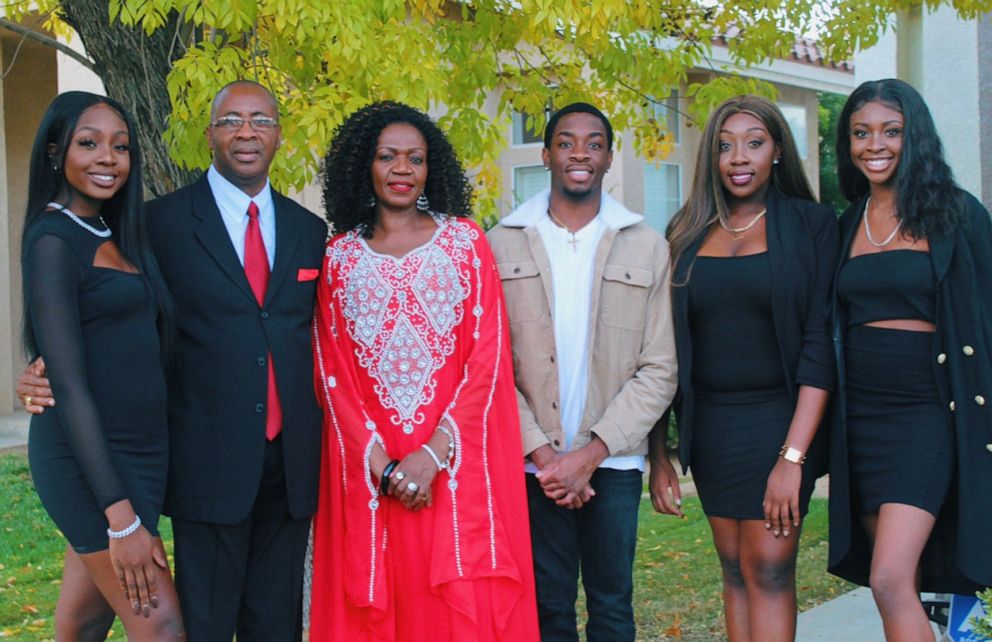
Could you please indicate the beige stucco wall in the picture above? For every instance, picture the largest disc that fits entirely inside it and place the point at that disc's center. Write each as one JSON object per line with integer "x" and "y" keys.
{"x": 24, "y": 95}
{"x": 625, "y": 181}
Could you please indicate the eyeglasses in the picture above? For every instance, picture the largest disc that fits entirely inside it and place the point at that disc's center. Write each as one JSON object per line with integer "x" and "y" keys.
{"x": 234, "y": 123}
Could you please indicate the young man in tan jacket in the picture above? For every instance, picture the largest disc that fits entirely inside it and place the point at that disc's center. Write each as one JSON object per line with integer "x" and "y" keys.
{"x": 587, "y": 292}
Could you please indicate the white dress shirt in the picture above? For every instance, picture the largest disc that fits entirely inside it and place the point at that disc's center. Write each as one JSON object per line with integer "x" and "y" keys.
{"x": 233, "y": 206}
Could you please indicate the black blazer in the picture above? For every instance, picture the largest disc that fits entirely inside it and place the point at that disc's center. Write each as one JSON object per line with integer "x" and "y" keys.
{"x": 802, "y": 252}
{"x": 958, "y": 558}
{"x": 219, "y": 377}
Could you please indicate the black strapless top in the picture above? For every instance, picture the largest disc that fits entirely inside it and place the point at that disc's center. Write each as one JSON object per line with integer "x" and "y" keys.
{"x": 898, "y": 284}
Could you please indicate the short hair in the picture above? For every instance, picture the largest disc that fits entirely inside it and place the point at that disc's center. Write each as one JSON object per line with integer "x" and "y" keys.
{"x": 347, "y": 175}
{"x": 577, "y": 108}
{"x": 927, "y": 198}
{"x": 234, "y": 83}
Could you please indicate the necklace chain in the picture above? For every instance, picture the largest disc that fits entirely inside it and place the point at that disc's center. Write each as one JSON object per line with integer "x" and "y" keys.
{"x": 574, "y": 242}
{"x": 738, "y": 232}
{"x": 104, "y": 233}
{"x": 888, "y": 239}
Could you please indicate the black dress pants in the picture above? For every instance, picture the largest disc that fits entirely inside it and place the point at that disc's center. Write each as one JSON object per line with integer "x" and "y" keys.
{"x": 245, "y": 578}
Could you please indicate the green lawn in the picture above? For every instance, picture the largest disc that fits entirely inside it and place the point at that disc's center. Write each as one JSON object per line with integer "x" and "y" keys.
{"x": 676, "y": 586}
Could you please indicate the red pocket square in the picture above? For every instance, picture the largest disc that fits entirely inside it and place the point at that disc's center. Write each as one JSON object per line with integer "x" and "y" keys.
{"x": 307, "y": 274}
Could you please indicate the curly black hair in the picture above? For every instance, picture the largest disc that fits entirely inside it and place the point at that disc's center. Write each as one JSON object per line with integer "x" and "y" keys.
{"x": 928, "y": 201}
{"x": 348, "y": 173}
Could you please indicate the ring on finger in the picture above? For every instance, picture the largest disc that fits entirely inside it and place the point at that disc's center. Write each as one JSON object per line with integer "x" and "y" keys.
{"x": 412, "y": 487}
{"x": 27, "y": 400}
{"x": 399, "y": 475}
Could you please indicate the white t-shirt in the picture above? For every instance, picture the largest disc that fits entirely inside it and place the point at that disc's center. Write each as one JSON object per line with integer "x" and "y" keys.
{"x": 572, "y": 259}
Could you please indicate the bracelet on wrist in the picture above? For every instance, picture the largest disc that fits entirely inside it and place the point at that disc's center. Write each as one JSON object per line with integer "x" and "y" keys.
{"x": 385, "y": 479}
{"x": 793, "y": 455}
{"x": 121, "y": 534}
{"x": 451, "y": 445}
{"x": 433, "y": 455}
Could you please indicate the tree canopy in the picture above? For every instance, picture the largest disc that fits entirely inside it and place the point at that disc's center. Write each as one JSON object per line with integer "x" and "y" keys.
{"x": 476, "y": 60}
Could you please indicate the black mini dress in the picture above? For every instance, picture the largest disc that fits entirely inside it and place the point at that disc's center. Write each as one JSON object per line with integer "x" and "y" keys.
{"x": 743, "y": 406}
{"x": 106, "y": 438}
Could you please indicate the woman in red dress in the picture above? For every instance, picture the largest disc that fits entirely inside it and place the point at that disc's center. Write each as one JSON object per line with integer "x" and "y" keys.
{"x": 421, "y": 528}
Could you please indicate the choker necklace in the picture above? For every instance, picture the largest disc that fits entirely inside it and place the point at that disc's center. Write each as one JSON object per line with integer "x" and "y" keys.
{"x": 888, "y": 239}
{"x": 737, "y": 232}
{"x": 104, "y": 233}
{"x": 574, "y": 242}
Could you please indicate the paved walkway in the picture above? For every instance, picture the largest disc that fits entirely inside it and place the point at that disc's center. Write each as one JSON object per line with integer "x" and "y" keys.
{"x": 849, "y": 618}
{"x": 14, "y": 429}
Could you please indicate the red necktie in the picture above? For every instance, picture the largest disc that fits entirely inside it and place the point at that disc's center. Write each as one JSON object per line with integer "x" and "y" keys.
{"x": 257, "y": 271}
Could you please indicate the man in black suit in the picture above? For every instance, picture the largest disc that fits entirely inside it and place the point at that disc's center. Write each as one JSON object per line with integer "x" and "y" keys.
{"x": 242, "y": 263}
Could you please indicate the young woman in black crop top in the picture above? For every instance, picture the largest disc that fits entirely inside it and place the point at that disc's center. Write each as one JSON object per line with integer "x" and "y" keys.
{"x": 752, "y": 259}
{"x": 911, "y": 448}
{"x": 92, "y": 299}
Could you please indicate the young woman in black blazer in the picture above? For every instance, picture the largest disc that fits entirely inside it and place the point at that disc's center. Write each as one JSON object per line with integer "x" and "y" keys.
{"x": 753, "y": 256}
{"x": 911, "y": 450}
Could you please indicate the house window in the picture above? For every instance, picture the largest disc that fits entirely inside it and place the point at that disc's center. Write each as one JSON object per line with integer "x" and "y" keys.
{"x": 662, "y": 193}
{"x": 795, "y": 116}
{"x": 522, "y": 134}
{"x": 668, "y": 110}
{"x": 528, "y": 180}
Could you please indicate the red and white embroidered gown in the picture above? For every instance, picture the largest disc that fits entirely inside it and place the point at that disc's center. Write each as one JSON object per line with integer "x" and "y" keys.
{"x": 401, "y": 343}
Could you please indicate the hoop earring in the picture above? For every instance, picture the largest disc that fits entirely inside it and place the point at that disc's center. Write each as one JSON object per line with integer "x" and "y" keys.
{"x": 422, "y": 203}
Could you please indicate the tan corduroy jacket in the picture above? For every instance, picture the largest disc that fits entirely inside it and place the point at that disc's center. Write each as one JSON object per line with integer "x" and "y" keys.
{"x": 632, "y": 366}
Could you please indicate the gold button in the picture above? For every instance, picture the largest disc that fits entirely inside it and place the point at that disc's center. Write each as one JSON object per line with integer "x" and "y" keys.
{"x": 941, "y": 358}
{"x": 951, "y": 406}
{"x": 968, "y": 351}
{"x": 980, "y": 400}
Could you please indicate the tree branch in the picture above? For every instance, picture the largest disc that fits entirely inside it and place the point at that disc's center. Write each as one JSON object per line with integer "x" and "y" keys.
{"x": 47, "y": 40}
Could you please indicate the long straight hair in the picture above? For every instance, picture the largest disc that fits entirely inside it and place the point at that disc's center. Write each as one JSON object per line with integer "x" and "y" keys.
{"x": 927, "y": 198}
{"x": 123, "y": 212}
{"x": 707, "y": 201}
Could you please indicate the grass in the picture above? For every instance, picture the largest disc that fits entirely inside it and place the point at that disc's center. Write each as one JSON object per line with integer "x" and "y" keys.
{"x": 676, "y": 575}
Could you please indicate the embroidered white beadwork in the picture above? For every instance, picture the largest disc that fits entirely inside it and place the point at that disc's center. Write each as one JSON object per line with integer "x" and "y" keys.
{"x": 400, "y": 312}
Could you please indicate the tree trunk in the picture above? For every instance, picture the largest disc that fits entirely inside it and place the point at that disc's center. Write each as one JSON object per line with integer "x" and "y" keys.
{"x": 133, "y": 67}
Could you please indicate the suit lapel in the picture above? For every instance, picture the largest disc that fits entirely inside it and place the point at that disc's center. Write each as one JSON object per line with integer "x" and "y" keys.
{"x": 213, "y": 235}
{"x": 287, "y": 238}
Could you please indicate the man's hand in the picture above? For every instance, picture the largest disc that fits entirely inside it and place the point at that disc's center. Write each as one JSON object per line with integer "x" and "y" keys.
{"x": 666, "y": 497}
{"x": 565, "y": 478}
{"x": 33, "y": 388}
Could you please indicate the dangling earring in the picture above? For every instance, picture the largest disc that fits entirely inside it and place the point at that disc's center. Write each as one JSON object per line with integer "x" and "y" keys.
{"x": 422, "y": 203}
{"x": 775, "y": 162}
{"x": 371, "y": 202}
{"x": 55, "y": 166}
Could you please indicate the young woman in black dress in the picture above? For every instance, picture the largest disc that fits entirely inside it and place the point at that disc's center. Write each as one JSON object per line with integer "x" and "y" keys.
{"x": 92, "y": 299}
{"x": 911, "y": 452}
{"x": 752, "y": 259}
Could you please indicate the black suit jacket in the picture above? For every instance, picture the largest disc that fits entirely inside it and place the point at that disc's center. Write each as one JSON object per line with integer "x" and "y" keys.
{"x": 218, "y": 378}
{"x": 958, "y": 558}
{"x": 802, "y": 251}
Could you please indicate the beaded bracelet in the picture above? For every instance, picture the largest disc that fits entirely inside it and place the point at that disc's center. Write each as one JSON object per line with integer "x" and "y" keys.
{"x": 121, "y": 534}
{"x": 386, "y": 472}
{"x": 451, "y": 445}
{"x": 437, "y": 462}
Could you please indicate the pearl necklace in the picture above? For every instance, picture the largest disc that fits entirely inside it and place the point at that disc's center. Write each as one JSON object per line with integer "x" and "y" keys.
{"x": 738, "y": 232}
{"x": 81, "y": 223}
{"x": 888, "y": 239}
